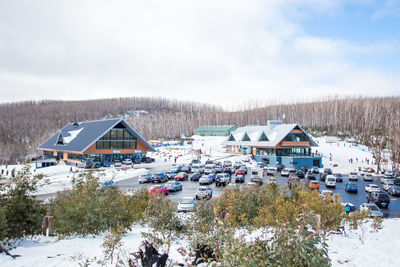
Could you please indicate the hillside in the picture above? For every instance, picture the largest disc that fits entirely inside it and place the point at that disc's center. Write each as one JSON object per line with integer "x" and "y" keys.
{"x": 25, "y": 125}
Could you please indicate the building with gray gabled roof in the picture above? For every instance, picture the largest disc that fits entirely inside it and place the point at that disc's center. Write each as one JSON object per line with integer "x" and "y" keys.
{"x": 97, "y": 141}
{"x": 275, "y": 143}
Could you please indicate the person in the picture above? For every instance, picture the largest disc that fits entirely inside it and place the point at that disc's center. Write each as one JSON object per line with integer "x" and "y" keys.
{"x": 347, "y": 208}
{"x": 70, "y": 169}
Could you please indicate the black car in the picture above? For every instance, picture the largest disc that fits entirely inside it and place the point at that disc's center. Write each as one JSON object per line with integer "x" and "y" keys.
{"x": 304, "y": 169}
{"x": 230, "y": 170}
{"x": 209, "y": 162}
{"x": 339, "y": 177}
{"x": 311, "y": 176}
{"x": 328, "y": 170}
{"x": 186, "y": 169}
{"x": 300, "y": 173}
{"x": 322, "y": 177}
{"x": 397, "y": 181}
{"x": 195, "y": 176}
{"x": 195, "y": 161}
{"x": 280, "y": 167}
{"x": 257, "y": 180}
{"x": 240, "y": 179}
{"x": 382, "y": 200}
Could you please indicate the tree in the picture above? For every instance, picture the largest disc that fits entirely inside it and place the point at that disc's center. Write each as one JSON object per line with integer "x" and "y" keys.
{"x": 377, "y": 141}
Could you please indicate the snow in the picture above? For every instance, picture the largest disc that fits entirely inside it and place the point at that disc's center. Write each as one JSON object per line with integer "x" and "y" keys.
{"x": 362, "y": 247}
{"x": 72, "y": 136}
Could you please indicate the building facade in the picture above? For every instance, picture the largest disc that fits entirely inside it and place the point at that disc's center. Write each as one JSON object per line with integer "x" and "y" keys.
{"x": 96, "y": 141}
{"x": 275, "y": 143}
{"x": 215, "y": 130}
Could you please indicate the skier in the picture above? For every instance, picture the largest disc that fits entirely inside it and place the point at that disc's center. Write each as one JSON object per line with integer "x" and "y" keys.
{"x": 347, "y": 208}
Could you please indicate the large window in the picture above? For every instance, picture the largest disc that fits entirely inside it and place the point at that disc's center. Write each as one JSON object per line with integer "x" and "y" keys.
{"x": 117, "y": 139}
{"x": 296, "y": 137}
{"x": 74, "y": 156}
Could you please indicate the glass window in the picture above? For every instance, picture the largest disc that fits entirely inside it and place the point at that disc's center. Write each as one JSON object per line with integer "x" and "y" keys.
{"x": 107, "y": 136}
{"x": 114, "y": 135}
{"x": 120, "y": 134}
{"x": 106, "y": 145}
{"x": 100, "y": 145}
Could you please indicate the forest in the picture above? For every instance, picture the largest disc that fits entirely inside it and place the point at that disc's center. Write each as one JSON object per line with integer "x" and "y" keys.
{"x": 25, "y": 125}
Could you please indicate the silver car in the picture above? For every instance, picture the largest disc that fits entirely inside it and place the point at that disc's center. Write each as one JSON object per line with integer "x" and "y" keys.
{"x": 187, "y": 204}
{"x": 204, "y": 192}
{"x": 373, "y": 209}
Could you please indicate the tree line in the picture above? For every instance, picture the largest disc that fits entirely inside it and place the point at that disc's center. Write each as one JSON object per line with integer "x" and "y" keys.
{"x": 25, "y": 125}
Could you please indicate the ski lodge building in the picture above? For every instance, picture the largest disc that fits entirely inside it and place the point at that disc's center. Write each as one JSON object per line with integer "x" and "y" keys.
{"x": 96, "y": 141}
{"x": 276, "y": 143}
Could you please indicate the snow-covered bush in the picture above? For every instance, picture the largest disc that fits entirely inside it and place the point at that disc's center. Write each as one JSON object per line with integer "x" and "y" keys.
{"x": 89, "y": 209}
{"x": 20, "y": 213}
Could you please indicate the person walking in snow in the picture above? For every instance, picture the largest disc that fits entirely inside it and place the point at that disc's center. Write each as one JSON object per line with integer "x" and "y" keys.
{"x": 347, "y": 208}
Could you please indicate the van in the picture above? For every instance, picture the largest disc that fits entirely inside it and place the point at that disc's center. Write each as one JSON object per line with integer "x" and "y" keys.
{"x": 256, "y": 173}
{"x": 330, "y": 181}
{"x": 198, "y": 168}
{"x": 210, "y": 168}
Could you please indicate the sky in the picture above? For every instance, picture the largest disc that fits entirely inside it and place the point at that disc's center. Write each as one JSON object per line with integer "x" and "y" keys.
{"x": 224, "y": 52}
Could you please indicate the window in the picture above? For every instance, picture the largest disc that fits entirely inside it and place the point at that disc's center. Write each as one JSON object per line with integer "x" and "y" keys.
{"x": 263, "y": 137}
{"x": 245, "y": 137}
{"x": 99, "y": 145}
{"x": 296, "y": 137}
{"x": 231, "y": 138}
{"x": 117, "y": 138}
{"x": 60, "y": 140}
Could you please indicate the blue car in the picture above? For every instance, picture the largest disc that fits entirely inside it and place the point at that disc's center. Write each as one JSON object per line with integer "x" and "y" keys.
{"x": 174, "y": 186}
{"x": 108, "y": 184}
{"x": 106, "y": 164}
{"x": 212, "y": 176}
{"x": 171, "y": 175}
{"x": 351, "y": 188}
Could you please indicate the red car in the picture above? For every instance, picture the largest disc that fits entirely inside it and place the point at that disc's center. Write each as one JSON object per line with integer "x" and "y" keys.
{"x": 182, "y": 176}
{"x": 158, "y": 189}
{"x": 240, "y": 172}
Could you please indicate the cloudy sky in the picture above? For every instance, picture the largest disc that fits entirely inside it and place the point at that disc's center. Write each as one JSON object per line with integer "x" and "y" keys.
{"x": 225, "y": 52}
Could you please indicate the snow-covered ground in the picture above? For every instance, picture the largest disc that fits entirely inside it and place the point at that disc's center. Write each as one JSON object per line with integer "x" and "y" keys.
{"x": 361, "y": 247}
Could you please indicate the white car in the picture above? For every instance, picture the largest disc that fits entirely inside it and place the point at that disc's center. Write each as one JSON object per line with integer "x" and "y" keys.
{"x": 324, "y": 193}
{"x": 271, "y": 180}
{"x": 372, "y": 188}
{"x": 353, "y": 176}
{"x": 204, "y": 192}
{"x": 373, "y": 209}
{"x": 330, "y": 181}
{"x": 187, "y": 204}
{"x": 368, "y": 177}
{"x": 388, "y": 184}
{"x": 127, "y": 161}
{"x": 285, "y": 172}
{"x": 205, "y": 179}
{"x": 270, "y": 170}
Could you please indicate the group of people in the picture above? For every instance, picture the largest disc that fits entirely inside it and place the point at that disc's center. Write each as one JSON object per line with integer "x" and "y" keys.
{"x": 6, "y": 172}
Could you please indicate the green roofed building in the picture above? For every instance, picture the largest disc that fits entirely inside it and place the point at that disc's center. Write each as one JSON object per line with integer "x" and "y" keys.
{"x": 215, "y": 130}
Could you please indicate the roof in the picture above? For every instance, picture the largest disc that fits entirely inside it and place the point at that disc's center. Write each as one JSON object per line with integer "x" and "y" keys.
{"x": 274, "y": 133}
{"x": 78, "y": 137}
{"x": 216, "y": 128}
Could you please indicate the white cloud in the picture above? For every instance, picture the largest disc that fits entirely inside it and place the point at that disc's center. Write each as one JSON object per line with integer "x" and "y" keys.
{"x": 223, "y": 52}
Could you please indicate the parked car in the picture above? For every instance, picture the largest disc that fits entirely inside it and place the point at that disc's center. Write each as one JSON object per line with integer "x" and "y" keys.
{"x": 328, "y": 170}
{"x": 368, "y": 177}
{"x": 315, "y": 170}
{"x": 108, "y": 184}
{"x": 174, "y": 186}
{"x": 186, "y": 168}
{"x": 240, "y": 172}
{"x": 372, "y": 188}
{"x": 388, "y": 184}
{"x": 260, "y": 164}
{"x": 182, "y": 176}
{"x": 171, "y": 175}
{"x": 146, "y": 178}
{"x": 239, "y": 179}
{"x": 257, "y": 180}
{"x": 351, "y": 188}
{"x": 379, "y": 198}
{"x": 195, "y": 176}
{"x": 313, "y": 185}
{"x": 105, "y": 164}
{"x": 311, "y": 176}
{"x": 209, "y": 161}
{"x": 198, "y": 168}
{"x": 209, "y": 168}
{"x": 218, "y": 169}
{"x": 271, "y": 180}
{"x": 218, "y": 163}
{"x": 91, "y": 164}
{"x": 270, "y": 171}
{"x": 237, "y": 164}
{"x": 300, "y": 173}
{"x": 222, "y": 179}
{"x": 322, "y": 177}
{"x": 330, "y": 181}
{"x": 285, "y": 173}
{"x": 205, "y": 180}
{"x": 187, "y": 204}
{"x": 353, "y": 176}
{"x": 324, "y": 193}
{"x": 177, "y": 169}
{"x": 243, "y": 167}
{"x": 252, "y": 185}
{"x": 352, "y": 207}
{"x": 159, "y": 178}
{"x": 117, "y": 163}
{"x": 339, "y": 177}
{"x": 158, "y": 189}
{"x": 195, "y": 161}
{"x": 372, "y": 209}
{"x": 280, "y": 167}
{"x": 230, "y": 170}
{"x": 227, "y": 163}
{"x": 394, "y": 190}
{"x": 127, "y": 161}
{"x": 204, "y": 192}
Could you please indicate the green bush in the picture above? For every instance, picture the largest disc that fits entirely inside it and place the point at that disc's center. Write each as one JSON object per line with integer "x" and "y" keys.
{"x": 88, "y": 209}
{"x": 20, "y": 213}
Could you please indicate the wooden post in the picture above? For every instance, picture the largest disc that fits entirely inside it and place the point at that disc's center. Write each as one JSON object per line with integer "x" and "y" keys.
{"x": 318, "y": 223}
{"x": 48, "y": 225}
{"x": 336, "y": 198}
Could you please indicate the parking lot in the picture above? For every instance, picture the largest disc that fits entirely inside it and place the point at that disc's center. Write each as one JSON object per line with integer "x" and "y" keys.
{"x": 189, "y": 189}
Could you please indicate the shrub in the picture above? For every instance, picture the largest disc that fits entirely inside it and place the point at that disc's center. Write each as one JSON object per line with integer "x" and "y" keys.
{"x": 20, "y": 213}
{"x": 88, "y": 209}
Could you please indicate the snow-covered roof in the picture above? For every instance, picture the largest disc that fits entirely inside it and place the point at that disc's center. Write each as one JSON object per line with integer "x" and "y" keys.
{"x": 79, "y": 136}
{"x": 274, "y": 132}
